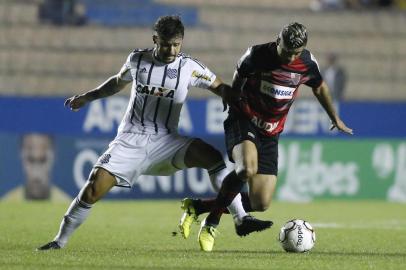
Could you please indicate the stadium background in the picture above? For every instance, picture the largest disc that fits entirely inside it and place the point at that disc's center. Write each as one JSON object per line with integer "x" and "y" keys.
{"x": 50, "y": 52}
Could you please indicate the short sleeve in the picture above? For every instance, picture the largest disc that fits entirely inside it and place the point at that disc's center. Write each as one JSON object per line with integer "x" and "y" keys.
{"x": 201, "y": 76}
{"x": 315, "y": 78}
{"x": 125, "y": 71}
{"x": 245, "y": 65}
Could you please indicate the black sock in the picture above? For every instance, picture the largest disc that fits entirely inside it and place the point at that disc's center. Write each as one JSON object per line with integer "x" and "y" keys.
{"x": 205, "y": 205}
{"x": 230, "y": 187}
{"x": 246, "y": 203}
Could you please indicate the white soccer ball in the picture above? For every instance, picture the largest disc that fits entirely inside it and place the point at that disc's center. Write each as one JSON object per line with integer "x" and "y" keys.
{"x": 297, "y": 236}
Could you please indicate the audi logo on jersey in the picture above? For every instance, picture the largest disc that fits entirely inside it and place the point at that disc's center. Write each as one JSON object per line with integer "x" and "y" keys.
{"x": 155, "y": 91}
{"x": 267, "y": 126}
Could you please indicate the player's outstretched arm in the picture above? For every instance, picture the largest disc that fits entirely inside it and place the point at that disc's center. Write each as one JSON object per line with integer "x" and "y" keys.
{"x": 228, "y": 94}
{"x": 111, "y": 86}
{"x": 322, "y": 94}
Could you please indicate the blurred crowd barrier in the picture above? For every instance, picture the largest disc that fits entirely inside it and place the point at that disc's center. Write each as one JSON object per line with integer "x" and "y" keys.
{"x": 47, "y": 151}
{"x": 84, "y": 42}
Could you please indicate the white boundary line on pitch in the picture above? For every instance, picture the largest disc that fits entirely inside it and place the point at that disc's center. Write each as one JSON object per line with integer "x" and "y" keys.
{"x": 382, "y": 226}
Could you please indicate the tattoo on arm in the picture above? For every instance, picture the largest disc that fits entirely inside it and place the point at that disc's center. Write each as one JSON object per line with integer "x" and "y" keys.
{"x": 110, "y": 87}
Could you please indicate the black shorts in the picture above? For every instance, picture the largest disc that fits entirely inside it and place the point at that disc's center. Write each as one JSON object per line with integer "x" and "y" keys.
{"x": 238, "y": 128}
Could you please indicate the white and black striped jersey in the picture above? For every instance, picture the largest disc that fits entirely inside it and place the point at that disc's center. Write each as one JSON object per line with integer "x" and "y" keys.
{"x": 159, "y": 90}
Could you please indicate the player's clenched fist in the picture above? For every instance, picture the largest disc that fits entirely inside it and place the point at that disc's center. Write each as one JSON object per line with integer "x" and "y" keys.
{"x": 76, "y": 102}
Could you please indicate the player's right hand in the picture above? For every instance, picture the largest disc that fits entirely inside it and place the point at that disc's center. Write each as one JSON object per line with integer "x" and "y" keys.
{"x": 76, "y": 102}
{"x": 339, "y": 124}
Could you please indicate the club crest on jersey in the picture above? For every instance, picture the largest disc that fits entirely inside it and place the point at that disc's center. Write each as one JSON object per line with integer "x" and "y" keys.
{"x": 295, "y": 78}
{"x": 198, "y": 75}
{"x": 276, "y": 91}
{"x": 155, "y": 91}
{"x": 172, "y": 73}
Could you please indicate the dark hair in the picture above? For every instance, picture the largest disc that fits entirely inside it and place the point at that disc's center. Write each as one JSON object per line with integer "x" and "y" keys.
{"x": 294, "y": 35}
{"x": 169, "y": 26}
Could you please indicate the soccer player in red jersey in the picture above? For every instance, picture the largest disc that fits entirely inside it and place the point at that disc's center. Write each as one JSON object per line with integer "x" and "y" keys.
{"x": 266, "y": 80}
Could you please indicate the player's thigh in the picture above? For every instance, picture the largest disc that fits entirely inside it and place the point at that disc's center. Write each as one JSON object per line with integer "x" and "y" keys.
{"x": 99, "y": 183}
{"x": 245, "y": 156}
{"x": 201, "y": 154}
{"x": 127, "y": 157}
{"x": 261, "y": 190}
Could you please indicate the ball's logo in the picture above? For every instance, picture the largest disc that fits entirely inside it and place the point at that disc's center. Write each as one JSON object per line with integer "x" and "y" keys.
{"x": 299, "y": 235}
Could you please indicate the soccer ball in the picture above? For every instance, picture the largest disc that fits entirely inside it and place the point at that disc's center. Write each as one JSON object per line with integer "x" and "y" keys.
{"x": 297, "y": 236}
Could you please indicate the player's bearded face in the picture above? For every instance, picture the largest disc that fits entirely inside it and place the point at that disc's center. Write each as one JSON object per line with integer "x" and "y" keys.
{"x": 167, "y": 49}
{"x": 288, "y": 55}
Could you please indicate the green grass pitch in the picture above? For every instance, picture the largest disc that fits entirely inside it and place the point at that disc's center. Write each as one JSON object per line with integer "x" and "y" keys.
{"x": 138, "y": 235}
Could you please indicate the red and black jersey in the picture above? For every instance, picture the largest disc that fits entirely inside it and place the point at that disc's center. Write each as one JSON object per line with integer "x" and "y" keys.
{"x": 271, "y": 86}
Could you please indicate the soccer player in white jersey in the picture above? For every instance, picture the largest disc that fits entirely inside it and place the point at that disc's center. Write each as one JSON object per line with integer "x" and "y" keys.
{"x": 147, "y": 142}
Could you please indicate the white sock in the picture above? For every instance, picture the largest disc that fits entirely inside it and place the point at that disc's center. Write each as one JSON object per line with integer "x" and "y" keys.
{"x": 77, "y": 212}
{"x": 217, "y": 174}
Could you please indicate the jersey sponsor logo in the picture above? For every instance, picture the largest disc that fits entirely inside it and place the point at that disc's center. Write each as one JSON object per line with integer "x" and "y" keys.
{"x": 277, "y": 91}
{"x": 172, "y": 73}
{"x": 201, "y": 76}
{"x": 267, "y": 126}
{"x": 143, "y": 70}
{"x": 155, "y": 91}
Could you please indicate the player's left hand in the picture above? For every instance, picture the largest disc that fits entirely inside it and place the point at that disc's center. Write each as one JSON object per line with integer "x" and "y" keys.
{"x": 339, "y": 124}
{"x": 76, "y": 102}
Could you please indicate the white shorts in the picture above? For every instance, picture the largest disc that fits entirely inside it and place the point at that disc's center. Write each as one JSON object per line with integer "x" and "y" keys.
{"x": 130, "y": 155}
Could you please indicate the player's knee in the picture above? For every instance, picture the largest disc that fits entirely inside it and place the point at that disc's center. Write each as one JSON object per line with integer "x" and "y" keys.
{"x": 246, "y": 172}
{"x": 89, "y": 194}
